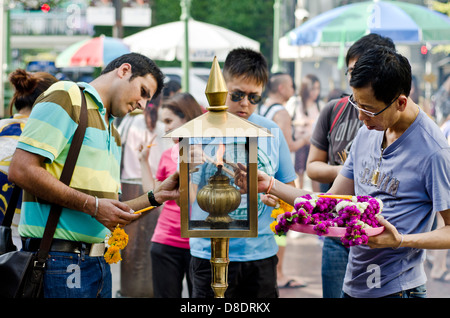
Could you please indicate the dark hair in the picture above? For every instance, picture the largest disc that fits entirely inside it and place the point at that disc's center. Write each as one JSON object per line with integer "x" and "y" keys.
{"x": 386, "y": 71}
{"x": 140, "y": 66}
{"x": 275, "y": 81}
{"x": 306, "y": 87}
{"x": 365, "y": 43}
{"x": 151, "y": 110}
{"x": 248, "y": 63}
{"x": 170, "y": 88}
{"x": 183, "y": 105}
{"x": 336, "y": 93}
{"x": 28, "y": 86}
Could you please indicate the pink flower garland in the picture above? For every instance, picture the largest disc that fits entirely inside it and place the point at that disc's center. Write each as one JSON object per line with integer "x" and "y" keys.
{"x": 355, "y": 215}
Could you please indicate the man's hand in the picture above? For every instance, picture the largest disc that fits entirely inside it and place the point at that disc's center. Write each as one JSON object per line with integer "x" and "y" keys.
{"x": 168, "y": 189}
{"x": 111, "y": 213}
{"x": 390, "y": 237}
{"x": 269, "y": 200}
{"x": 240, "y": 179}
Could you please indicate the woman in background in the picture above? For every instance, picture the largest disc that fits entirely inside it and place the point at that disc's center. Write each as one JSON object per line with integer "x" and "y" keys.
{"x": 27, "y": 88}
{"x": 170, "y": 252}
{"x": 306, "y": 113}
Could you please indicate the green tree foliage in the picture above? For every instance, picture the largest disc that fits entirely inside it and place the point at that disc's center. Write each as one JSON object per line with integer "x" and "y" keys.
{"x": 247, "y": 17}
{"x": 164, "y": 11}
{"x": 443, "y": 7}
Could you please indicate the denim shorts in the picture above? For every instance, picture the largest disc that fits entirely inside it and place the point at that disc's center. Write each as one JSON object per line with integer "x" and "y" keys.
{"x": 72, "y": 275}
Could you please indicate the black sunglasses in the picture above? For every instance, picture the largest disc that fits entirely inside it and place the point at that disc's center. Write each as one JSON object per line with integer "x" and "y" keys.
{"x": 252, "y": 98}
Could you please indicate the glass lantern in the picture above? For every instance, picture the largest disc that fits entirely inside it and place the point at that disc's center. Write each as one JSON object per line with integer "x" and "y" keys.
{"x": 213, "y": 148}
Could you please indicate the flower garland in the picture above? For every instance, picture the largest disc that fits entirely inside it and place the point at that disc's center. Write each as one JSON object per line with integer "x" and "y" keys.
{"x": 280, "y": 208}
{"x": 116, "y": 241}
{"x": 322, "y": 212}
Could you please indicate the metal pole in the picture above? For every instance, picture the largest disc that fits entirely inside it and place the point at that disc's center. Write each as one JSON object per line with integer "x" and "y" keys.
{"x": 185, "y": 16}
{"x": 8, "y": 38}
{"x": 276, "y": 67}
{"x": 428, "y": 71}
{"x": 5, "y": 51}
{"x": 219, "y": 266}
{"x": 118, "y": 27}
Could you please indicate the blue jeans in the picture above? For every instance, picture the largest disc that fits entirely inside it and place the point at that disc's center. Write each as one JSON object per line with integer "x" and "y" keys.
{"x": 334, "y": 265}
{"x": 417, "y": 292}
{"x": 71, "y": 275}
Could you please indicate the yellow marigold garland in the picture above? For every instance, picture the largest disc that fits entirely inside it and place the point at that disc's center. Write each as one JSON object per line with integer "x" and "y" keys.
{"x": 117, "y": 241}
{"x": 281, "y": 208}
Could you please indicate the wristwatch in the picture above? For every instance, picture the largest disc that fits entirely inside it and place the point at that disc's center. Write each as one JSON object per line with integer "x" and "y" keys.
{"x": 151, "y": 198}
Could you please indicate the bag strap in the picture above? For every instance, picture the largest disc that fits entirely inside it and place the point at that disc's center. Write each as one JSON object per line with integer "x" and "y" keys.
{"x": 269, "y": 108}
{"x": 12, "y": 204}
{"x": 66, "y": 176}
{"x": 342, "y": 102}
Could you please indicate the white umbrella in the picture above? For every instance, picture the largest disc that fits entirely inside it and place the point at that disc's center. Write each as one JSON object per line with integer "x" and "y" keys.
{"x": 166, "y": 42}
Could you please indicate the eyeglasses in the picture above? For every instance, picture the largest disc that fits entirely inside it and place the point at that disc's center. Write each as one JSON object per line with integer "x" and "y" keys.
{"x": 252, "y": 98}
{"x": 370, "y": 114}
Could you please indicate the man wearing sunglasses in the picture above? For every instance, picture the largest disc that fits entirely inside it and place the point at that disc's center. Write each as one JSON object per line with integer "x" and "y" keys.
{"x": 252, "y": 269}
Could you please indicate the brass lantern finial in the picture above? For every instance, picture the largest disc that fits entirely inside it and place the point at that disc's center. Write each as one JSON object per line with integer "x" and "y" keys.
{"x": 216, "y": 88}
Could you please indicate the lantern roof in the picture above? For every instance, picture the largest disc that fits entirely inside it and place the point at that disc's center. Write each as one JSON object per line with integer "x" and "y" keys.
{"x": 218, "y": 124}
{"x": 217, "y": 121}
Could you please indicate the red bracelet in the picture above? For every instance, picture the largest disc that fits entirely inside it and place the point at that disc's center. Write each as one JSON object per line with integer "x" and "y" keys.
{"x": 272, "y": 180}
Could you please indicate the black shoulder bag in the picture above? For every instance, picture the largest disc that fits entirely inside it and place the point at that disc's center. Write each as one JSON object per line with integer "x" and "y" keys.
{"x": 22, "y": 272}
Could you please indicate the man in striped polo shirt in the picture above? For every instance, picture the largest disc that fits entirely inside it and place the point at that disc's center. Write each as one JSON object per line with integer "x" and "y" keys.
{"x": 90, "y": 205}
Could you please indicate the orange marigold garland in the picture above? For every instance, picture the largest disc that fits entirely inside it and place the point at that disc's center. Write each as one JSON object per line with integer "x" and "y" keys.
{"x": 116, "y": 241}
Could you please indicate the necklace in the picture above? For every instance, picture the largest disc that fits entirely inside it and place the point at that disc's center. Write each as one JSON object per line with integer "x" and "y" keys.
{"x": 376, "y": 173}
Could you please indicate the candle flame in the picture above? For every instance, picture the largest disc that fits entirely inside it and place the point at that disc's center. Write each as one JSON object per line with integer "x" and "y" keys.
{"x": 219, "y": 154}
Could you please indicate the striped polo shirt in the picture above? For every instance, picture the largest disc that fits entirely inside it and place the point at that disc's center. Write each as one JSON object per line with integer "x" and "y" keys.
{"x": 48, "y": 133}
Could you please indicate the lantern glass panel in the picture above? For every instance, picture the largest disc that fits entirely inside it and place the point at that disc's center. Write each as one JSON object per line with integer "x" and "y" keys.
{"x": 215, "y": 202}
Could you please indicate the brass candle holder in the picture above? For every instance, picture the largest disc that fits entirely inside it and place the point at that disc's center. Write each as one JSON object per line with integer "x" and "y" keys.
{"x": 218, "y": 198}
